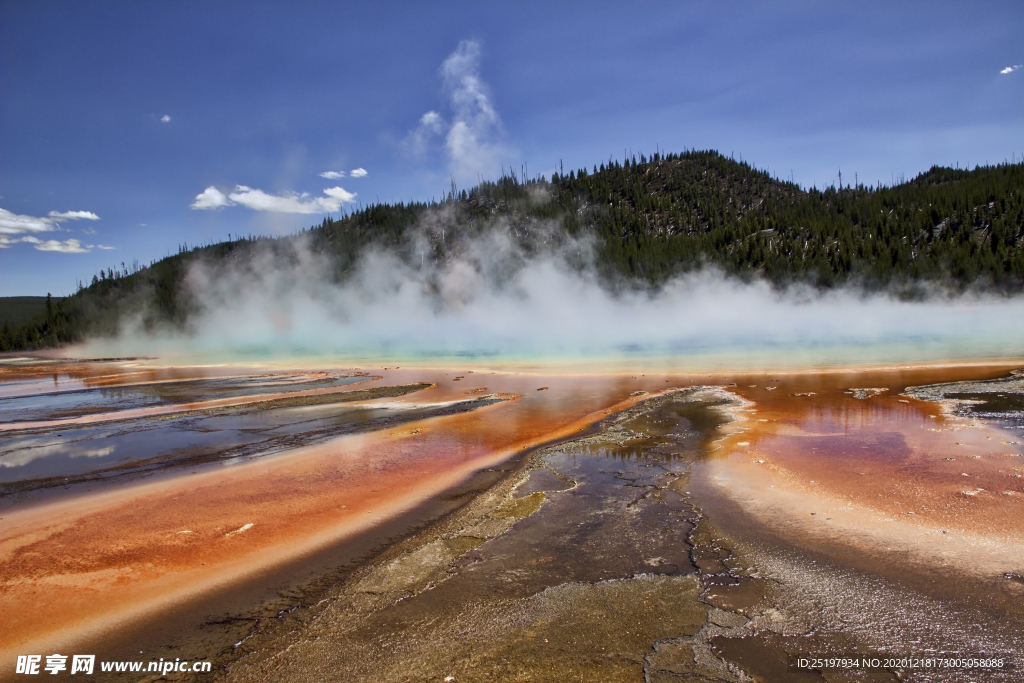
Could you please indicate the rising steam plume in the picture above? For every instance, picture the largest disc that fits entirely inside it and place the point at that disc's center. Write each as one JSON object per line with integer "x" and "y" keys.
{"x": 495, "y": 300}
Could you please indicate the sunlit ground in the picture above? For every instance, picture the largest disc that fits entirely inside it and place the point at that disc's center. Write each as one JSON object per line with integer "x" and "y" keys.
{"x": 131, "y": 489}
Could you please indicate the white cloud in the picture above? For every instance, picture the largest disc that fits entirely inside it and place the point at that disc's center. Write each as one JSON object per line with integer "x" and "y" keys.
{"x": 258, "y": 200}
{"x": 340, "y": 195}
{"x": 472, "y": 139}
{"x": 68, "y": 246}
{"x": 73, "y": 215}
{"x": 165, "y": 119}
{"x": 210, "y": 198}
{"x": 432, "y": 121}
{"x": 104, "y": 247}
{"x": 1011, "y": 69}
{"x": 333, "y": 175}
{"x": 358, "y": 173}
{"x": 16, "y": 224}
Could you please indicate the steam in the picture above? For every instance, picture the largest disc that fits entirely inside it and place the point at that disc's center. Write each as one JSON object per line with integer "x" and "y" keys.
{"x": 494, "y": 302}
{"x": 473, "y": 133}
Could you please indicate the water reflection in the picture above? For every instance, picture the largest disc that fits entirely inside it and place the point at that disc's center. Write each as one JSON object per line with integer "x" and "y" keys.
{"x": 116, "y": 450}
{"x": 64, "y": 403}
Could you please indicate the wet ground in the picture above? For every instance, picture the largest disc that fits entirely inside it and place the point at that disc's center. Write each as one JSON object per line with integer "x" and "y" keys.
{"x": 212, "y": 494}
{"x": 706, "y": 533}
{"x": 568, "y": 571}
{"x": 598, "y": 562}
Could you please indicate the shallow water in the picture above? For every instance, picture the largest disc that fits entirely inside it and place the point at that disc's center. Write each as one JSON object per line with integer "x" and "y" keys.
{"x": 901, "y": 466}
{"x": 55, "y": 404}
{"x": 123, "y": 450}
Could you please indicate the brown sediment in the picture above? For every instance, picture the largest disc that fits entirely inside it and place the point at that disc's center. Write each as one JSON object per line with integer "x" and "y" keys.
{"x": 92, "y": 562}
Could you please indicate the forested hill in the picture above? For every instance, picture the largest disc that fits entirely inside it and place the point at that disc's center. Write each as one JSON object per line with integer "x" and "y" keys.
{"x": 649, "y": 219}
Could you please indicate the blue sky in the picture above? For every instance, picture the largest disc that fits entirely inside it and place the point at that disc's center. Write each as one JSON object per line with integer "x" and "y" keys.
{"x": 116, "y": 117}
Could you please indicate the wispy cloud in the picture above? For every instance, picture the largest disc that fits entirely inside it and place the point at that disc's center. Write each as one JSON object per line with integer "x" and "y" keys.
{"x": 1011, "y": 69}
{"x": 473, "y": 136}
{"x": 470, "y": 140}
{"x": 258, "y": 200}
{"x": 104, "y": 247}
{"x": 68, "y": 246}
{"x": 73, "y": 215}
{"x": 354, "y": 173}
{"x": 165, "y": 119}
{"x": 17, "y": 224}
{"x": 418, "y": 140}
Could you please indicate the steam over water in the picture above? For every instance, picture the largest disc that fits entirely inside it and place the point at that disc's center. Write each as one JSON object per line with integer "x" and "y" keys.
{"x": 494, "y": 304}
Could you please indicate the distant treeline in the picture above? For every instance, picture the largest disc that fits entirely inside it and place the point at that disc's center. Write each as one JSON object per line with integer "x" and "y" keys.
{"x": 16, "y": 310}
{"x": 649, "y": 220}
